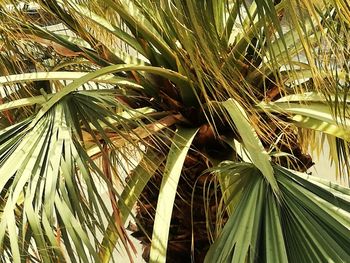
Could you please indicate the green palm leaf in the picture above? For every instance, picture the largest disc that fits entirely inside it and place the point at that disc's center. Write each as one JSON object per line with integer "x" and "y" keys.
{"x": 295, "y": 229}
{"x": 181, "y": 143}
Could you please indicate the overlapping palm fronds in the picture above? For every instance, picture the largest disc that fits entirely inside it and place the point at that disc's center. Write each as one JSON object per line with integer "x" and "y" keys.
{"x": 235, "y": 87}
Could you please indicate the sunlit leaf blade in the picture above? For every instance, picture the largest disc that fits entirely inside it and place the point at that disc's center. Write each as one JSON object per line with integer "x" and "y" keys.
{"x": 322, "y": 126}
{"x": 61, "y": 75}
{"x": 172, "y": 172}
{"x": 251, "y": 142}
{"x": 315, "y": 110}
{"x": 24, "y": 102}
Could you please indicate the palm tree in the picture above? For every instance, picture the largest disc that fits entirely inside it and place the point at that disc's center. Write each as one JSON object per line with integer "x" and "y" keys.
{"x": 201, "y": 114}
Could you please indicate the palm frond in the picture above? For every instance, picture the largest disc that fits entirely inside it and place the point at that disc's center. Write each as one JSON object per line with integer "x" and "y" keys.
{"x": 302, "y": 226}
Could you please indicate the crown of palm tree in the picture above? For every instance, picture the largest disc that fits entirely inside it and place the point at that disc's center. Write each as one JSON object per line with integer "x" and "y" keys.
{"x": 210, "y": 105}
